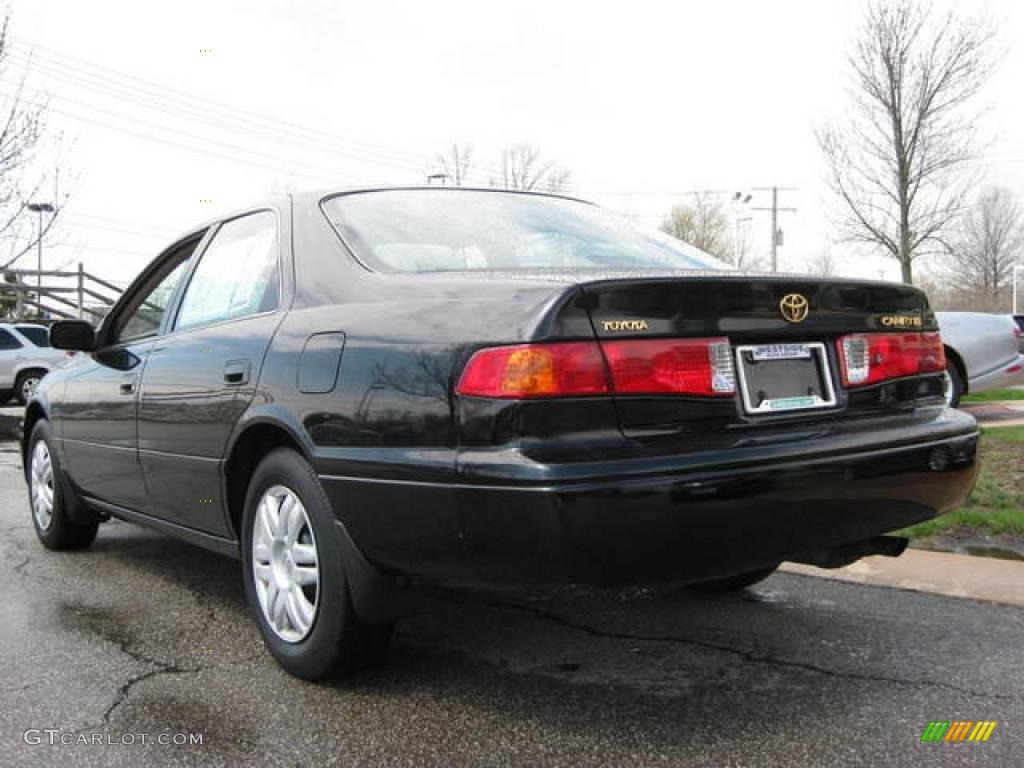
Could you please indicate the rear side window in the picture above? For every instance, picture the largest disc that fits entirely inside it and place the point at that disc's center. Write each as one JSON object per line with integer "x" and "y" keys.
{"x": 7, "y": 340}
{"x": 38, "y": 336}
{"x": 237, "y": 274}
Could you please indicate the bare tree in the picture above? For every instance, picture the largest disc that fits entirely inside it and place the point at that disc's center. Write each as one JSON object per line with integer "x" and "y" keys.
{"x": 895, "y": 160}
{"x": 986, "y": 246}
{"x": 22, "y": 178}
{"x": 823, "y": 264}
{"x": 523, "y": 167}
{"x": 704, "y": 224}
{"x": 456, "y": 162}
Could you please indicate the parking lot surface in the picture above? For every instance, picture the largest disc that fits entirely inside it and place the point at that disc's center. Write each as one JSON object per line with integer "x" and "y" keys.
{"x": 145, "y": 635}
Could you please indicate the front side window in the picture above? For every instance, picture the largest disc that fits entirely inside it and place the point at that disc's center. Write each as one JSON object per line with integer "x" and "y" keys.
{"x": 237, "y": 274}
{"x": 38, "y": 336}
{"x": 7, "y": 340}
{"x": 422, "y": 230}
{"x": 144, "y": 320}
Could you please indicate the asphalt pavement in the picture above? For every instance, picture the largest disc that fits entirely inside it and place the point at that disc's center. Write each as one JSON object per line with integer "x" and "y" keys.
{"x": 142, "y": 638}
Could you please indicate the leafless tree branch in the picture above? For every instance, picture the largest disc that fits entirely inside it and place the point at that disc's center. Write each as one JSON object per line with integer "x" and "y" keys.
{"x": 897, "y": 165}
{"x": 524, "y": 168}
{"x": 24, "y": 177}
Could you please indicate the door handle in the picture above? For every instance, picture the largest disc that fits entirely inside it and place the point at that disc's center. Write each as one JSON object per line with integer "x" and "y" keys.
{"x": 236, "y": 372}
{"x": 128, "y": 385}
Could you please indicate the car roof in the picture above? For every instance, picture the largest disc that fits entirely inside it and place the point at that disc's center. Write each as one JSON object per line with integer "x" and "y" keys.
{"x": 313, "y": 196}
{"x": 319, "y": 194}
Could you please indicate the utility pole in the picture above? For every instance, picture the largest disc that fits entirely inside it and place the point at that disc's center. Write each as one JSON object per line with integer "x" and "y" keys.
{"x": 775, "y": 210}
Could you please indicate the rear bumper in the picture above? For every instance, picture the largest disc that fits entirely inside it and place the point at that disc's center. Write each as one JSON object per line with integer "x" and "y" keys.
{"x": 683, "y": 518}
{"x": 1007, "y": 375}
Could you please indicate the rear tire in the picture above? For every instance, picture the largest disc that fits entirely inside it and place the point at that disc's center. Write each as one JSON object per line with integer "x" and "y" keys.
{"x": 294, "y": 573}
{"x": 49, "y": 495}
{"x": 735, "y": 583}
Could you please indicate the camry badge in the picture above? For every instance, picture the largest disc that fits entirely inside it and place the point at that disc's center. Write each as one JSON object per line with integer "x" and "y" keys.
{"x": 794, "y": 308}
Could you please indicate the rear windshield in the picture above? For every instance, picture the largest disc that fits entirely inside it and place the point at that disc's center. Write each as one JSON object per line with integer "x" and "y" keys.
{"x": 448, "y": 229}
{"x": 38, "y": 336}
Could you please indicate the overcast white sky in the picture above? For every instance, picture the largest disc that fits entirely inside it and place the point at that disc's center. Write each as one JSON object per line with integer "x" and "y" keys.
{"x": 643, "y": 101}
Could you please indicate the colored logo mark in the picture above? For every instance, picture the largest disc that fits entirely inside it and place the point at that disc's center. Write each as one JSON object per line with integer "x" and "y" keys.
{"x": 958, "y": 730}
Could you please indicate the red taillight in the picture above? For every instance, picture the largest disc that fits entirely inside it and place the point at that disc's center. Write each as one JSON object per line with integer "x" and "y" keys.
{"x": 671, "y": 366}
{"x": 867, "y": 358}
{"x": 535, "y": 370}
{"x": 700, "y": 367}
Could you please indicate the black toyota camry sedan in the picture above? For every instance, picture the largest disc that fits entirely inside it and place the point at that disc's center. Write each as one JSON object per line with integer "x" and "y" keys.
{"x": 364, "y": 392}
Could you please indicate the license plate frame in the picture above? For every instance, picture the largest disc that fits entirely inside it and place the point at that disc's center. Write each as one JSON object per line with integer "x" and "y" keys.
{"x": 785, "y": 351}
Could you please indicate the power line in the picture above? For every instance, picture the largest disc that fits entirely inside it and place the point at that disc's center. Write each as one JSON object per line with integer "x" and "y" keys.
{"x": 289, "y": 169}
{"x": 170, "y": 100}
{"x": 199, "y": 107}
{"x": 140, "y": 225}
{"x": 119, "y": 230}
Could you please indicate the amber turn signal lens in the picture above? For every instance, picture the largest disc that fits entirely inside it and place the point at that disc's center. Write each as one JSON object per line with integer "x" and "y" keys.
{"x": 535, "y": 370}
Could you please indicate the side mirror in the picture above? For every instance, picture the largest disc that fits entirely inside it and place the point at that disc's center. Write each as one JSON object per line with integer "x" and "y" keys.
{"x": 73, "y": 334}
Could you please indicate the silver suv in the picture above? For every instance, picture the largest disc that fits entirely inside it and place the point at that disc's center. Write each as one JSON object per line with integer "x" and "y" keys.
{"x": 25, "y": 357}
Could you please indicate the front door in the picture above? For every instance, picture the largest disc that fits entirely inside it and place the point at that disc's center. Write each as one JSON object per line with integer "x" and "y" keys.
{"x": 99, "y": 408}
{"x": 201, "y": 376}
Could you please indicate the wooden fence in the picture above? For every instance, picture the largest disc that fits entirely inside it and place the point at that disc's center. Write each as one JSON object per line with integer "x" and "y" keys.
{"x": 59, "y": 294}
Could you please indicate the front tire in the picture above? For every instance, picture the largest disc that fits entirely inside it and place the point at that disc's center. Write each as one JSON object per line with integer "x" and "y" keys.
{"x": 26, "y": 384}
{"x": 294, "y": 572}
{"x": 49, "y": 495}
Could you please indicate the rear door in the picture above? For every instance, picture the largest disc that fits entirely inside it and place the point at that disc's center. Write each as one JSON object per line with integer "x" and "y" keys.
{"x": 201, "y": 376}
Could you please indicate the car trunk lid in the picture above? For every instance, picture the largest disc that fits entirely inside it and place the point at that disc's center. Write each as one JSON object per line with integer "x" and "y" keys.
{"x": 782, "y": 331}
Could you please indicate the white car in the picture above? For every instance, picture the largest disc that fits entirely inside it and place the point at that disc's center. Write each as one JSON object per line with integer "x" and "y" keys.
{"x": 982, "y": 352}
{"x": 25, "y": 357}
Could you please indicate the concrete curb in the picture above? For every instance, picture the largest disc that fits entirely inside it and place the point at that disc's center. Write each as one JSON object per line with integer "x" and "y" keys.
{"x": 997, "y": 413}
{"x": 939, "y": 573}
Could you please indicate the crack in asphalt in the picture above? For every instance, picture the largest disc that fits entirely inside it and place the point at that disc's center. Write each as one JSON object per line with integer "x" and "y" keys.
{"x": 750, "y": 656}
{"x": 17, "y": 567}
{"x": 122, "y": 692}
{"x": 19, "y": 688}
{"x": 162, "y": 668}
{"x": 158, "y": 667}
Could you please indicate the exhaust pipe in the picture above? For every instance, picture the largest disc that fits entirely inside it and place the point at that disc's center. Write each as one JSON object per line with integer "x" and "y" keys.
{"x": 837, "y": 557}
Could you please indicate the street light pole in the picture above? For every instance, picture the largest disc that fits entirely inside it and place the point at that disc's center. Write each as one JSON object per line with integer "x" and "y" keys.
{"x": 738, "y": 199}
{"x": 40, "y": 208}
